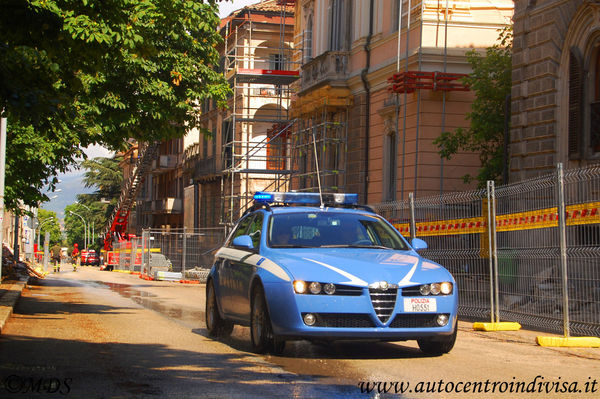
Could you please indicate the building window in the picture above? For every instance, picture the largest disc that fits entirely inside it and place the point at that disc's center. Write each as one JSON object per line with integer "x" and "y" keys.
{"x": 575, "y": 103}
{"x": 396, "y": 14}
{"x": 277, "y": 62}
{"x": 594, "y": 137}
{"x": 308, "y": 38}
{"x": 338, "y": 23}
{"x": 390, "y": 165}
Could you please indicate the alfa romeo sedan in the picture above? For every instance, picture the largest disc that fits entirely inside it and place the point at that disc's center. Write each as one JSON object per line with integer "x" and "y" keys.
{"x": 320, "y": 267}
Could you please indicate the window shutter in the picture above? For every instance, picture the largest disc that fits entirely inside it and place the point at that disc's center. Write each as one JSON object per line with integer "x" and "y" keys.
{"x": 575, "y": 105}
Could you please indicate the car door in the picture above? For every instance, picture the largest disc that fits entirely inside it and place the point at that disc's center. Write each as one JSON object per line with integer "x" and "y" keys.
{"x": 228, "y": 265}
{"x": 243, "y": 271}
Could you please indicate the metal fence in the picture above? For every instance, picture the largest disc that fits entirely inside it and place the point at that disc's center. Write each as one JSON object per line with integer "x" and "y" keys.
{"x": 173, "y": 250}
{"x": 538, "y": 263}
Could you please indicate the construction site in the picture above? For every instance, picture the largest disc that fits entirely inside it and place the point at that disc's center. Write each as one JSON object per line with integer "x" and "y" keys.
{"x": 315, "y": 106}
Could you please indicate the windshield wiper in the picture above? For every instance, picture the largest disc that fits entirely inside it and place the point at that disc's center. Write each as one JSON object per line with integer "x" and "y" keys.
{"x": 355, "y": 246}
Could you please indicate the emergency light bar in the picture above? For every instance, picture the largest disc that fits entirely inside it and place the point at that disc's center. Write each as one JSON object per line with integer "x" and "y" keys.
{"x": 305, "y": 198}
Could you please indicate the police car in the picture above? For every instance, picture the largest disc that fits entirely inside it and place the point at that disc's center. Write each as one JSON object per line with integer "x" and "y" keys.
{"x": 321, "y": 267}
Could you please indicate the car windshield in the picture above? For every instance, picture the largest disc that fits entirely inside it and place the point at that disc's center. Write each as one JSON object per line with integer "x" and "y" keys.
{"x": 332, "y": 230}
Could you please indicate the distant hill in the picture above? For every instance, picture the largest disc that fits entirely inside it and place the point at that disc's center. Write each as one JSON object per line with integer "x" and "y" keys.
{"x": 71, "y": 184}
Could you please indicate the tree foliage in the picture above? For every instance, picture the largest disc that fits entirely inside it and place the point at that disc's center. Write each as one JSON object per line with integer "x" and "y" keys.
{"x": 491, "y": 82}
{"x": 48, "y": 222}
{"x": 105, "y": 175}
{"x": 75, "y": 73}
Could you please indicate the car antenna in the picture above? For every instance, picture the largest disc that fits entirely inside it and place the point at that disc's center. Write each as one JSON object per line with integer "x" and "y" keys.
{"x": 317, "y": 167}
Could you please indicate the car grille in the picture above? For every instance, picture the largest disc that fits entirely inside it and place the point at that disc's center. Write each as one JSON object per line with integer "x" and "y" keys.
{"x": 383, "y": 302}
{"x": 412, "y": 320}
{"x": 348, "y": 290}
{"x": 411, "y": 291}
{"x": 344, "y": 320}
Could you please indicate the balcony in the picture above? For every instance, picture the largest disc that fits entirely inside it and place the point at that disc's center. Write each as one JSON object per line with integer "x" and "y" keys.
{"x": 167, "y": 205}
{"x": 165, "y": 163}
{"x": 328, "y": 68}
{"x": 205, "y": 169}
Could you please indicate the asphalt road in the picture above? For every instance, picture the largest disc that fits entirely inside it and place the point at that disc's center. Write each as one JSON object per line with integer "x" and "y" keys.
{"x": 110, "y": 335}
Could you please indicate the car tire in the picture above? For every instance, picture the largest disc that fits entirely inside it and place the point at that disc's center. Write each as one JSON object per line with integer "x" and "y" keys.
{"x": 439, "y": 345}
{"x": 215, "y": 324}
{"x": 261, "y": 329}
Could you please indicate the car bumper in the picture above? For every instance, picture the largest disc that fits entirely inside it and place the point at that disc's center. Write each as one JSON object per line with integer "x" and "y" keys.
{"x": 353, "y": 317}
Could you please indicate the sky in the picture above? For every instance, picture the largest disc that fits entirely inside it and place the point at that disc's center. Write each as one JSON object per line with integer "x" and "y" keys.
{"x": 71, "y": 182}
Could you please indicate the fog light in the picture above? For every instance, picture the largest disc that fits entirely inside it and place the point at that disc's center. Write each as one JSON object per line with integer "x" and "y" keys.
{"x": 442, "y": 320}
{"x": 299, "y": 287}
{"x": 446, "y": 288}
{"x": 315, "y": 287}
{"x": 329, "y": 289}
{"x": 425, "y": 289}
{"x": 435, "y": 289}
{"x": 310, "y": 319}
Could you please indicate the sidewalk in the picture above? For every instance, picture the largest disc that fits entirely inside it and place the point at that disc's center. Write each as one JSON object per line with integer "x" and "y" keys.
{"x": 10, "y": 292}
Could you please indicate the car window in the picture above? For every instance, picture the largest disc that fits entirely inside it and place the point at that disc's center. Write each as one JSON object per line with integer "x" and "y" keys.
{"x": 332, "y": 229}
{"x": 255, "y": 228}
{"x": 241, "y": 228}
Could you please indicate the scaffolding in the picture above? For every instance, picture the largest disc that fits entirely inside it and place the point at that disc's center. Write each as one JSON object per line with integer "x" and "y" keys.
{"x": 256, "y": 133}
{"x": 320, "y": 149}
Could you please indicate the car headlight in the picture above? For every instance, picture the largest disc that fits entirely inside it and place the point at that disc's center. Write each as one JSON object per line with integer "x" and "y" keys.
{"x": 444, "y": 288}
{"x": 313, "y": 287}
{"x": 300, "y": 287}
{"x": 329, "y": 289}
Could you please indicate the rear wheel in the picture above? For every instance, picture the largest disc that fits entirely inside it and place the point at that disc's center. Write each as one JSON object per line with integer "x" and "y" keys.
{"x": 261, "y": 330}
{"x": 215, "y": 324}
{"x": 438, "y": 345}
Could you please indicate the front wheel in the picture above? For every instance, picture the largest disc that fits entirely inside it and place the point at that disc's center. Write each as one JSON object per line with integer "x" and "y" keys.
{"x": 439, "y": 345}
{"x": 215, "y": 324}
{"x": 261, "y": 330}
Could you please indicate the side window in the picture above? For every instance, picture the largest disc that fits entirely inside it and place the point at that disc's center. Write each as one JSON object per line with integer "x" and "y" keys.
{"x": 255, "y": 229}
{"x": 241, "y": 229}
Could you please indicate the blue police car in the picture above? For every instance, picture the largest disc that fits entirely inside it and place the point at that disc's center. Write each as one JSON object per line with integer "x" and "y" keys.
{"x": 321, "y": 267}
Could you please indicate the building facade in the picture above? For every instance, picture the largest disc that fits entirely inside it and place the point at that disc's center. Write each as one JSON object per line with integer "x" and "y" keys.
{"x": 244, "y": 148}
{"x": 380, "y": 82}
{"x": 556, "y": 86}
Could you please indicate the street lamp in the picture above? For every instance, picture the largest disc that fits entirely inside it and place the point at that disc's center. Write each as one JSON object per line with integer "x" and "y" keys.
{"x": 39, "y": 229}
{"x": 90, "y": 233}
{"x": 84, "y": 227}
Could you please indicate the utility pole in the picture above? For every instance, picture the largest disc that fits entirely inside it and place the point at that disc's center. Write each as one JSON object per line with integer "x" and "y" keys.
{"x": 2, "y": 172}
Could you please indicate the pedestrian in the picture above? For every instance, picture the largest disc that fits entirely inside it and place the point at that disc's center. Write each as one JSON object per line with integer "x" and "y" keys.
{"x": 75, "y": 258}
{"x": 55, "y": 254}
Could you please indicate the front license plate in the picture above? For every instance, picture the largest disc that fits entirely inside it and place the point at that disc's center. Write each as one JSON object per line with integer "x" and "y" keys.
{"x": 417, "y": 305}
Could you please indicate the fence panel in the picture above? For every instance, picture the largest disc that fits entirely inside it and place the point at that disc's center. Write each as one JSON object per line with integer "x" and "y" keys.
{"x": 184, "y": 249}
{"x": 529, "y": 267}
{"x": 528, "y": 250}
{"x": 582, "y": 198}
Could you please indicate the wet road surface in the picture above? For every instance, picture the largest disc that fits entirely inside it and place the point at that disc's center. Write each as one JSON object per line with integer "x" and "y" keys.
{"x": 113, "y": 335}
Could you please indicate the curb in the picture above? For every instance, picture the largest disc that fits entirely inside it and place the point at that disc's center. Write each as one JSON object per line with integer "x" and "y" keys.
{"x": 9, "y": 299}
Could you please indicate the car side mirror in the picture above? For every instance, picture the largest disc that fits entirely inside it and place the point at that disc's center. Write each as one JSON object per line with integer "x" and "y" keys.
{"x": 418, "y": 244}
{"x": 243, "y": 242}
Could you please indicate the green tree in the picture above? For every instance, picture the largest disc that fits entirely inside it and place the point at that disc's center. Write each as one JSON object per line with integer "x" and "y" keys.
{"x": 491, "y": 82}
{"x": 49, "y": 223}
{"x": 74, "y": 226}
{"x": 105, "y": 175}
{"x": 75, "y": 73}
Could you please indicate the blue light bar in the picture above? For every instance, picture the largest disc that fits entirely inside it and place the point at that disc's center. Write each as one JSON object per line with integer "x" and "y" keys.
{"x": 306, "y": 198}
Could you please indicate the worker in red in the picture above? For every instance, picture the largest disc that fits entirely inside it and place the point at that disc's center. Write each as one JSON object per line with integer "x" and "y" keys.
{"x": 75, "y": 257}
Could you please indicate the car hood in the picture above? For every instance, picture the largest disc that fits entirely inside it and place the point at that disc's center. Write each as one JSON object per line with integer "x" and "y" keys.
{"x": 359, "y": 267}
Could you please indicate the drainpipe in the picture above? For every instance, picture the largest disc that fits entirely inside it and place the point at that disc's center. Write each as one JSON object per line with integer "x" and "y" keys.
{"x": 363, "y": 76}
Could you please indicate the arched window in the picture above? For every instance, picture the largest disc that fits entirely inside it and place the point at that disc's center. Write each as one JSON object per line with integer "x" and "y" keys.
{"x": 338, "y": 25}
{"x": 594, "y": 137}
